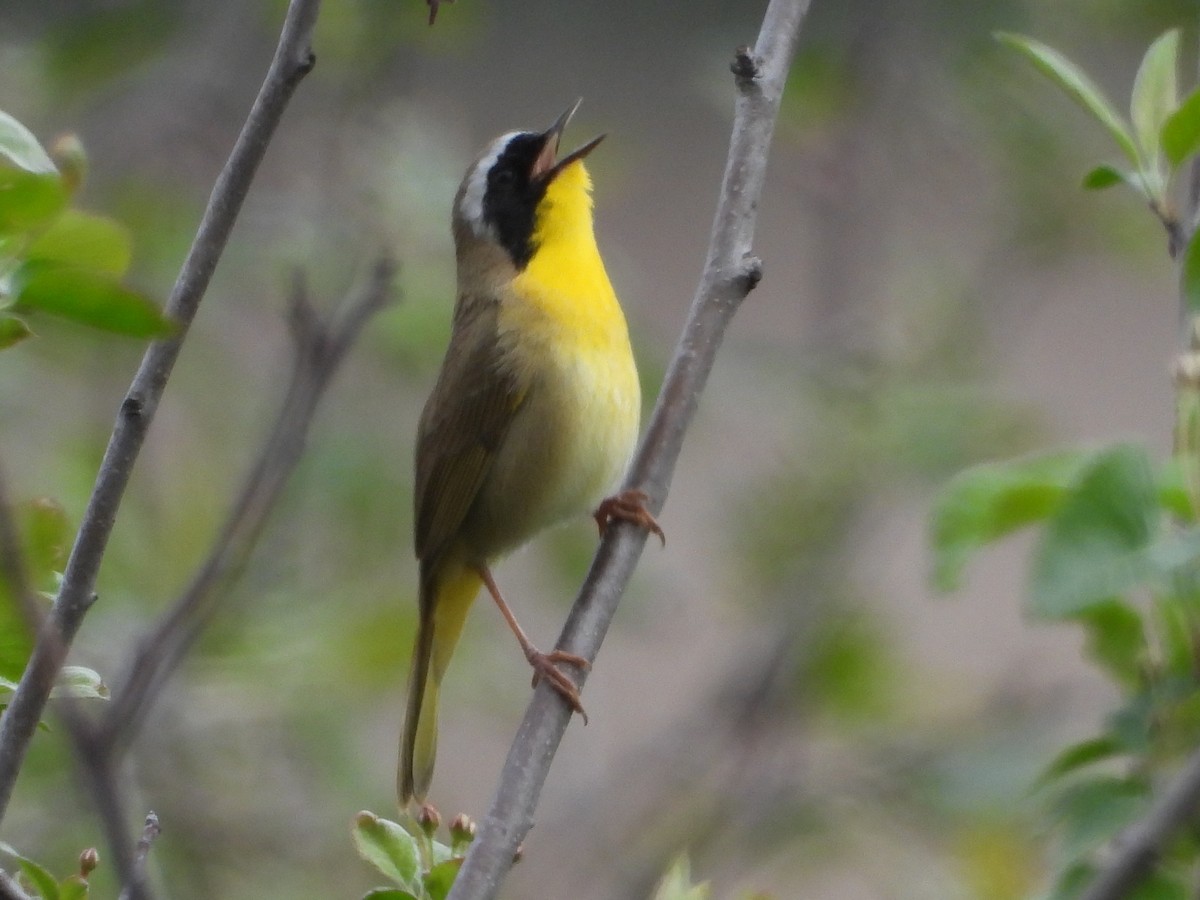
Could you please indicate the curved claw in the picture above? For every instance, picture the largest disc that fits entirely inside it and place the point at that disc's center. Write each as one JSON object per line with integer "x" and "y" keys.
{"x": 628, "y": 506}
{"x": 545, "y": 665}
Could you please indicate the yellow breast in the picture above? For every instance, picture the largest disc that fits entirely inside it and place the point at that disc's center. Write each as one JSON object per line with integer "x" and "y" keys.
{"x": 564, "y": 335}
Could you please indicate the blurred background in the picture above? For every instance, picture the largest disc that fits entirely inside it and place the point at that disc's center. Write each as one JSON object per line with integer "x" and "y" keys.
{"x": 782, "y": 693}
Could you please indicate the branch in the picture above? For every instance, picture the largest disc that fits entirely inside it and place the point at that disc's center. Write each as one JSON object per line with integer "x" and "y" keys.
{"x": 293, "y": 60}
{"x": 1138, "y": 847}
{"x": 10, "y": 889}
{"x": 99, "y": 770}
{"x": 730, "y": 272}
{"x": 150, "y": 831}
{"x": 320, "y": 346}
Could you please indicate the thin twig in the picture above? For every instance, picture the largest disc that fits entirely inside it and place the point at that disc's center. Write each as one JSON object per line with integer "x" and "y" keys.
{"x": 292, "y": 61}
{"x": 9, "y": 889}
{"x": 1139, "y": 846}
{"x": 99, "y": 770}
{"x": 730, "y": 273}
{"x": 320, "y": 345}
{"x": 150, "y": 831}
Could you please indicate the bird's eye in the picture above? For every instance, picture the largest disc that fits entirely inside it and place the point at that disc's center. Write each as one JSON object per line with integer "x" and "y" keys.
{"x": 504, "y": 178}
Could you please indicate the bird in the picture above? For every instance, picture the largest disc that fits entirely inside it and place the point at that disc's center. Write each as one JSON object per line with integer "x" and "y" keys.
{"x": 533, "y": 417}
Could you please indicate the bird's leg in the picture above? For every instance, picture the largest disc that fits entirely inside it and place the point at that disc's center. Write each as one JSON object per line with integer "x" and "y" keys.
{"x": 627, "y": 506}
{"x": 544, "y": 664}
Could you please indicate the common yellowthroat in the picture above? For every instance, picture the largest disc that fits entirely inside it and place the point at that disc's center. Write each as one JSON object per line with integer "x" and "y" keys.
{"x": 534, "y": 414}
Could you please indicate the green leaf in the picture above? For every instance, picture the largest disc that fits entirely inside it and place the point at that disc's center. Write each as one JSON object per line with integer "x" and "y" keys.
{"x": 80, "y": 682}
{"x": 45, "y": 537}
{"x": 1159, "y": 885}
{"x": 45, "y": 883}
{"x": 1097, "y": 543}
{"x": 1131, "y": 724}
{"x": 16, "y": 639}
{"x": 89, "y": 298}
{"x": 18, "y": 147}
{"x": 677, "y": 883}
{"x": 1077, "y": 756}
{"x": 389, "y": 894}
{"x": 1079, "y": 87}
{"x": 1071, "y": 882}
{"x": 1175, "y": 634}
{"x": 389, "y": 848}
{"x": 13, "y": 330}
{"x": 1093, "y": 812}
{"x": 987, "y": 502}
{"x": 46, "y": 534}
{"x": 1105, "y": 176}
{"x": 84, "y": 241}
{"x": 73, "y": 887}
{"x": 440, "y": 878}
{"x": 1116, "y": 640}
{"x": 1154, "y": 93}
{"x": 1173, "y": 494}
{"x": 1189, "y": 274}
{"x": 29, "y": 199}
{"x": 1181, "y": 132}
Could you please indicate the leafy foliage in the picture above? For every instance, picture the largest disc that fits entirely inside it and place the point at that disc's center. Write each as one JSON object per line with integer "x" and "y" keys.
{"x": 421, "y": 867}
{"x": 1118, "y": 544}
{"x": 59, "y": 261}
{"x": 1113, "y": 557}
{"x": 37, "y": 880}
{"x": 1161, "y": 133}
{"x": 44, "y": 535}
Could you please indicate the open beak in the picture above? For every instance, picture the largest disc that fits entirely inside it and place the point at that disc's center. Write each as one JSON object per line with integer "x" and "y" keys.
{"x": 546, "y": 167}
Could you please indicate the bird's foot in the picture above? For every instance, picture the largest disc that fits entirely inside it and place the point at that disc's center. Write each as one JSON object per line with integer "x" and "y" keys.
{"x": 627, "y": 506}
{"x": 545, "y": 665}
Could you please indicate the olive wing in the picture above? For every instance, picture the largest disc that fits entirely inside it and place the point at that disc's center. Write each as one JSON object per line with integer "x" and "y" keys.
{"x": 464, "y": 422}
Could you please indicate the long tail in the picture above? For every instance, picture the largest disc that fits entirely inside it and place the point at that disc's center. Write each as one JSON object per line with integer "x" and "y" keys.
{"x": 446, "y": 596}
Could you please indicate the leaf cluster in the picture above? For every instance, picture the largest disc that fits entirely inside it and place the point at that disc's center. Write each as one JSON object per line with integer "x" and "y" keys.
{"x": 55, "y": 259}
{"x": 39, "y": 882}
{"x": 419, "y": 867}
{"x": 44, "y": 534}
{"x": 1118, "y": 544}
{"x": 1117, "y": 554}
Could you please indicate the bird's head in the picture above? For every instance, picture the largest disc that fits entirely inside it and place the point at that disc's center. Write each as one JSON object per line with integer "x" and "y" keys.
{"x": 519, "y": 194}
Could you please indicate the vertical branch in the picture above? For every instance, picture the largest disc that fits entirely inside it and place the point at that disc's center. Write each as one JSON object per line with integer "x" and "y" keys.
{"x": 730, "y": 272}
{"x": 292, "y": 61}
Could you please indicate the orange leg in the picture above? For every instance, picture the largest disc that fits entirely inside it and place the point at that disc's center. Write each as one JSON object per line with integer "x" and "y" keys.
{"x": 544, "y": 664}
{"x": 627, "y": 506}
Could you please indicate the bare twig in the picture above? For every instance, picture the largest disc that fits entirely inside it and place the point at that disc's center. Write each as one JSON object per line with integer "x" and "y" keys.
{"x": 1138, "y": 847}
{"x": 9, "y": 889}
{"x": 150, "y": 831}
{"x": 98, "y": 767}
{"x": 730, "y": 272}
{"x": 320, "y": 346}
{"x": 292, "y": 61}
